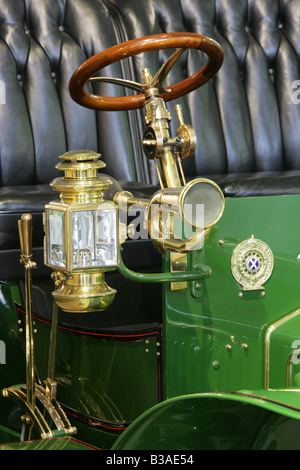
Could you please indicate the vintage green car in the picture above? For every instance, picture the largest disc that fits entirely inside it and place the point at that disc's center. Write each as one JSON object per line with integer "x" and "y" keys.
{"x": 149, "y": 233}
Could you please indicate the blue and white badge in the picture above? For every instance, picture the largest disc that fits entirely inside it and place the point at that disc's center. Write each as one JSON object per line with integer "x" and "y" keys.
{"x": 252, "y": 263}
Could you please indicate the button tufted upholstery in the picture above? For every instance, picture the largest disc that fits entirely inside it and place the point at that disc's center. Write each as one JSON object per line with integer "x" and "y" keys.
{"x": 246, "y": 119}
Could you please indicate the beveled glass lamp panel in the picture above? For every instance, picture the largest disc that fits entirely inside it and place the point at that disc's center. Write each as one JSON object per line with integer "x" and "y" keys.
{"x": 56, "y": 249}
{"x": 95, "y": 237}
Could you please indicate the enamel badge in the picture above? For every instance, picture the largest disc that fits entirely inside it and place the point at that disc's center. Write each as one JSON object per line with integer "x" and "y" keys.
{"x": 252, "y": 264}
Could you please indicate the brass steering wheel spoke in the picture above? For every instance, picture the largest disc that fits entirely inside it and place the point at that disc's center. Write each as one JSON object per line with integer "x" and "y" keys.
{"x": 119, "y": 81}
{"x": 156, "y": 82}
{"x": 164, "y": 70}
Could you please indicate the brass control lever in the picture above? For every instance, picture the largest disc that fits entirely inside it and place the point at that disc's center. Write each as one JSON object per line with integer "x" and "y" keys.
{"x": 25, "y": 233}
{"x": 34, "y": 421}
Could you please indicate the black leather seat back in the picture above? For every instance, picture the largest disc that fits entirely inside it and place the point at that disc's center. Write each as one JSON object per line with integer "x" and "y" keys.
{"x": 246, "y": 118}
{"x": 43, "y": 42}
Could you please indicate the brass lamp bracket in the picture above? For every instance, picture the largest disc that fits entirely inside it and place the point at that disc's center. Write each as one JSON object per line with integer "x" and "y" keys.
{"x": 179, "y": 262}
{"x": 197, "y": 273}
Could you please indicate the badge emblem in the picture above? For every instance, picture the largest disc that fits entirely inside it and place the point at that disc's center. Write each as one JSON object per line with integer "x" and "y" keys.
{"x": 252, "y": 264}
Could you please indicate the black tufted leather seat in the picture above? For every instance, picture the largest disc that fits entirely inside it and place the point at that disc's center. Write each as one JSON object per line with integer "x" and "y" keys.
{"x": 246, "y": 119}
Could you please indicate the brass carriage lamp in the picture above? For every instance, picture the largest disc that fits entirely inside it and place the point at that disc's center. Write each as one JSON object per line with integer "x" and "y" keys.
{"x": 81, "y": 234}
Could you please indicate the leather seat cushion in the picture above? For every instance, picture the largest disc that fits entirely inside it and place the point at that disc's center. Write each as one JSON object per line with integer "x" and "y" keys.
{"x": 262, "y": 184}
{"x": 15, "y": 200}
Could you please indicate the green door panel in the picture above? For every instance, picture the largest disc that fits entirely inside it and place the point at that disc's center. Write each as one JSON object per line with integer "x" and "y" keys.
{"x": 110, "y": 377}
{"x": 214, "y": 338}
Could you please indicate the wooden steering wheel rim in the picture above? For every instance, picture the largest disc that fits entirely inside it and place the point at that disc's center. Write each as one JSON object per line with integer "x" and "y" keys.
{"x": 137, "y": 46}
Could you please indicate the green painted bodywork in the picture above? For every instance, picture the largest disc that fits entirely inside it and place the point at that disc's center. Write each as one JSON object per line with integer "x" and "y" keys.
{"x": 104, "y": 382}
{"x": 198, "y": 329}
{"x": 249, "y": 420}
{"x": 230, "y": 374}
{"x": 102, "y": 377}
